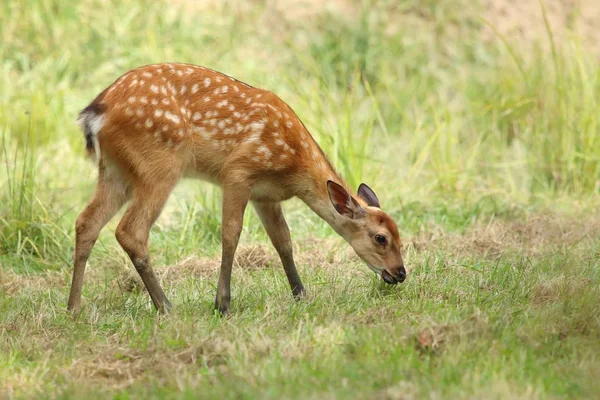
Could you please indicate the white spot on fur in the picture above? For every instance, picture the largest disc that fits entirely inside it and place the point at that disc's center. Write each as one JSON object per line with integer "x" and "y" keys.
{"x": 195, "y": 88}
{"x": 224, "y": 89}
{"x": 144, "y": 100}
{"x": 149, "y": 123}
{"x": 165, "y": 101}
{"x": 139, "y": 112}
{"x": 289, "y": 124}
{"x": 154, "y": 102}
{"x": 182, "y": 89}
{"x": 131, "y": 99}
{"x": 222, "y": 103}
{"x": 264, "y": 150}
{"x": 206, "y": 82}
{"x": 197, "y": 116}
{"x": 172, "y": 117}
{"x": 206, "y": 99}
{"x": 257, "y": 126}
{"x": 154, "y": 88}
{"x": 158, "y": 113}
{"x": 254, "y": 137}
{"x": 128, "y": 111}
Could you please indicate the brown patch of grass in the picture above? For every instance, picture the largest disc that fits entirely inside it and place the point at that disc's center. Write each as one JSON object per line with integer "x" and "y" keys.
{"x": 436, "y": 337}
{"x": 202, "y": 267}
{"x": 11, "y": 282}
{"x": 117, "y": 367}
{"x": 255, "y": 257}
{"x": 530, "y": 236}
{"x": 556, "y": 288}
{"x": 523, "y": 22}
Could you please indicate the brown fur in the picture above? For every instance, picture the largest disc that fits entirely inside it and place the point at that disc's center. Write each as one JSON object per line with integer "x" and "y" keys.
{"x": 162, "y": 122}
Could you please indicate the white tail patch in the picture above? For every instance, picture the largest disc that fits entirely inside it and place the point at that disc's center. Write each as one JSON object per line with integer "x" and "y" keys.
{"x": 92, "y": 123}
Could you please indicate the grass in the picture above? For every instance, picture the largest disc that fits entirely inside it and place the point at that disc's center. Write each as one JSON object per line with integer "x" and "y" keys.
{"x": 486, "y": 154}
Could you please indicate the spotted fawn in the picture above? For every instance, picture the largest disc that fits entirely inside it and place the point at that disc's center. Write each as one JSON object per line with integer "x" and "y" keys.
{"x": 160, "y": 123}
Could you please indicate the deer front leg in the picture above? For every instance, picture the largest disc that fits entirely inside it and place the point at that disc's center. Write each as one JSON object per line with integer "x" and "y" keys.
{"x": 273, "y": 220}
{"x": 235, "y": 200}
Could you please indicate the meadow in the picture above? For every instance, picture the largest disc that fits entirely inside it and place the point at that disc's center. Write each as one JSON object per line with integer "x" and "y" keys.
{"x": 485, "y": 150}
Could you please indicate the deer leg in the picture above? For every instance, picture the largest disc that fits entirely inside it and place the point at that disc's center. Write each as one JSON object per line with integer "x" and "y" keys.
{"x": 110, "y": 196}
{"x": 133, "y": 231}
{"x": 273, "y": 220}
{"x": 235, "y": 200}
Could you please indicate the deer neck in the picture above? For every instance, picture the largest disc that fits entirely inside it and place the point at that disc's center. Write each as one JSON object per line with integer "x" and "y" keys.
{"x": 314, "y": 193}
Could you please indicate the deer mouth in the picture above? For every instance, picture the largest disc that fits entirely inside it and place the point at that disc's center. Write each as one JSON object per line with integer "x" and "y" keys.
{"x": 388, "y": 278}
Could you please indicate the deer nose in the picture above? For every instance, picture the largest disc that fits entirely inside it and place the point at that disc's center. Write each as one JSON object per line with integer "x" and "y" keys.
{"x": 400, "y": 274}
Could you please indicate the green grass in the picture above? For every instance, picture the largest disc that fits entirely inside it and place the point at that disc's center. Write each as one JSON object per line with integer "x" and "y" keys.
{"x": 485, "y": 153}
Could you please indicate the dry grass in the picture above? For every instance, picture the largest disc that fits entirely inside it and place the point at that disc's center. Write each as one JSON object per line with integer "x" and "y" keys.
{"x": 559, "y": 287}
{"x": 522, "y": 21}
{"x": 530, "y": 236}
{"x": 435, "y": 337}
{"x": 119, "y": 366}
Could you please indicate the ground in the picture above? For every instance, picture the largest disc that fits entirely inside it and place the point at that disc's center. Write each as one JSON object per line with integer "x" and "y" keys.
{"x": 481, "y": 141}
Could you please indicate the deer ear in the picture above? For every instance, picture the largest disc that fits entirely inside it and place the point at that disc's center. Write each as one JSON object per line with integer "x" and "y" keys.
{"x": 368, "y": 195}
{"x": 343, "y": 202}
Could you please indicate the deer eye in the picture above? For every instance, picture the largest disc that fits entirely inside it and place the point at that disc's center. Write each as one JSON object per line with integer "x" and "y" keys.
{"x": 380, "y": 239}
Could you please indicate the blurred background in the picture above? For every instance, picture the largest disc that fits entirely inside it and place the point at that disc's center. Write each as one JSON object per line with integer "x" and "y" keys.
{"x": 450, "y": 110}
{"x": 475, "y": 121}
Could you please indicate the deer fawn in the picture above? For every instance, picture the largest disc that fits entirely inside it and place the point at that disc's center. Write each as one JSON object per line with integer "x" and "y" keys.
{"x": 159, "y": 123}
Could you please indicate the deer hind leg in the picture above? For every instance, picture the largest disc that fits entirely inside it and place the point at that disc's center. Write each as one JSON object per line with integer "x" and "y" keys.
{"x": 111, "y": 194}
{"x": 235, "y": 199}
{"x": 134, "y": 229}
{"x": 273, "y": 220}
